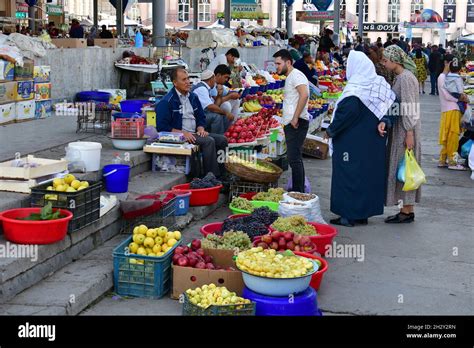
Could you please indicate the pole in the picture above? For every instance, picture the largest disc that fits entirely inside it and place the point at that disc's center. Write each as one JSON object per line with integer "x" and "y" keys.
{"x": 227, "y": 13}
{"x": 195, "y": 14}
{"x": 279, "y": 12}
{"x": 289, "y": 21}
{"x": 119, "y": 20}
{"x": 361, "y": 18}
{"x": 96, "y": 12}
{"x": 31, "y": 14}
{"x": 337, "y": 21}
{"x": 159, "y": 23}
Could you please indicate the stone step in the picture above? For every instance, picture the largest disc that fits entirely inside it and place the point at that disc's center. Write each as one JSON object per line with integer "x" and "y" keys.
{"x": 18, "y": 274}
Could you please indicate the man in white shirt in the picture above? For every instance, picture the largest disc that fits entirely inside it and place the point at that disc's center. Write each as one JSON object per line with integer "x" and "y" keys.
{"x": 295, "y": 115}
{"x": 217, "y": 119}
{"x": 228, "y": 59}
{"x": 228, "y": 100}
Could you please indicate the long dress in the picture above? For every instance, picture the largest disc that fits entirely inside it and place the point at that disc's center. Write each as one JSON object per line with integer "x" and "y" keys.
{"x": 358, "y": 160}
{"x": 406, "y": 89}
{"x": 421, "y": 73}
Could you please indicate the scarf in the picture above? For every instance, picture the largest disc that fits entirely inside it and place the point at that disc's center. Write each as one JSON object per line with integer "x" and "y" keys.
{"x": 397, "y": 55}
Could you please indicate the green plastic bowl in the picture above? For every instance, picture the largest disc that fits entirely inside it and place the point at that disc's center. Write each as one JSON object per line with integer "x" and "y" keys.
{"x": 257, "y": 204}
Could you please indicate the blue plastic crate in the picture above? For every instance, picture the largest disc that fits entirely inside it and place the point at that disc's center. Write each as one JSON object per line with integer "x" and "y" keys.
{"x": 152, "y": 279}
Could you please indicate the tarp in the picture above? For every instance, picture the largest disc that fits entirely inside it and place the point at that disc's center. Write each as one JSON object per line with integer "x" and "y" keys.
{"x": 127, "y": 22}
{"x": 469, "y": 39}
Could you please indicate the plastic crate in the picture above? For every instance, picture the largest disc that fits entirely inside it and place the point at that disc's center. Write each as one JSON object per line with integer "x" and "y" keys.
{"x": 128, "y": 128}
{"x": 240, "y": 187}
{"x": 164, "y": 217}
{"x": 190, "y": 309}
{"x": 84, "y": 204}
{"x": 152, "y": 279}
{"x": 100, "y": 123}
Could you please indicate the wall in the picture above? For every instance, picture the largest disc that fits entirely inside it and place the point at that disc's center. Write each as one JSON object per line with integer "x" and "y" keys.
{"x": 81, "y": 69}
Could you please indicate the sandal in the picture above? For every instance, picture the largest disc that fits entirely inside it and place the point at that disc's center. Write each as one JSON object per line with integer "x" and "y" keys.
{"x": 400, "y": 218}
{"x": 342, "y": 222}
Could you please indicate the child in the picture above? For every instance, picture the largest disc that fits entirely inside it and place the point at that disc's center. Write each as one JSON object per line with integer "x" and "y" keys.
{"x": 454, "y": 84}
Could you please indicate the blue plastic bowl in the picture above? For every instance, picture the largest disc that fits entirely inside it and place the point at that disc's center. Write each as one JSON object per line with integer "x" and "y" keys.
{"x": 245, "y": 92}
{"x": 278, "y": 287}
{"x": 253, "y": 90}
{"x": 277, "y": 84}
{"x": 118, "y": 115}
{"x": 100, "y": 97}
{"x": 132, "y": 105}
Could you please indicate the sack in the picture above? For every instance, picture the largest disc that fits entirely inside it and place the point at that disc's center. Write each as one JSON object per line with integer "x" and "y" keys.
{"x": 414, "y": 176}
{"x": 287, "y": 209}
{"x": 401, "y": 170}
{"x": 466, "y": 149}
{"x": 314, "y": 208}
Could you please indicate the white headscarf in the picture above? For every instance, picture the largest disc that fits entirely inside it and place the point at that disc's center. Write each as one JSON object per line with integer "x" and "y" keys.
{"x": 365, "y": 84}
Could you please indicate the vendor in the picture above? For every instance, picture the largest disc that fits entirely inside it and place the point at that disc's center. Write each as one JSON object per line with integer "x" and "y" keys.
{"x": 326, "y": 42}
{"x": 223, "y": 97}
{"x": 180, "y": 111}
{"x": 217, "y": 119}
{"x": 77, "y": 31}
{"x": 294, "y": 49}
{"x": 105, "y": 34}
{"x": 228, "y": 59}
{"x": 305, "y": 65}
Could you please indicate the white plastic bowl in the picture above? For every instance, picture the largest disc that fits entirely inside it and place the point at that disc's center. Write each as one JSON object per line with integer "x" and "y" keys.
{"x": 278, "y": 286}
{"x": 129, "y": 144}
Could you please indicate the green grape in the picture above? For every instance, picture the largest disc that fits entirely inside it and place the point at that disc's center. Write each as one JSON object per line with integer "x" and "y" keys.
{"x": 296, "y": 224}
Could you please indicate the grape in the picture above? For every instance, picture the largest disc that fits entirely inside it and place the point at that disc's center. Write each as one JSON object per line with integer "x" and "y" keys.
{"x": 273, "y": 195}
{"x": 296, "y": 224}
{"x": 208, "y": 181}
{"x": 264, "y": 215}
{"x": 245, "y": 224}
{"x": 242, "y": 203}
{"x": 229, "y": 241}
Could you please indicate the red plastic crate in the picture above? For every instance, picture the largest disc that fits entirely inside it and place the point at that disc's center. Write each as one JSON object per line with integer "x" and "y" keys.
{"x": 128, "y": 128}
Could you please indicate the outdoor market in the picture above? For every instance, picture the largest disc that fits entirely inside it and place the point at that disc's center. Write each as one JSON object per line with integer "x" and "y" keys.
{"x": 220, "y": 168}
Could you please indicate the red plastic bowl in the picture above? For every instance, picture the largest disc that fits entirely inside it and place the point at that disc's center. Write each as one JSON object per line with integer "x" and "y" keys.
{"x": 33, "y": 232}
{"x": 211, "y": 228}
{"x": 248, "y": 195}
{"x": 201, "y": 197}
{"x": 317, "y": 278}
{"x": 237, "y": 216}
{"x": 326, "y": 234}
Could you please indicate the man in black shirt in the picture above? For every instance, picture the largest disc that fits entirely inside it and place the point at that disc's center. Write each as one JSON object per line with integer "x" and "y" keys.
{"x": 105, "y": 34}
{"x": 435, "y": 66}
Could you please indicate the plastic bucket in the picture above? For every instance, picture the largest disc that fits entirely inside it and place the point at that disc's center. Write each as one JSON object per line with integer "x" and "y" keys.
{"x": 116, "y": 177}
{"x": 182, "y": 202}
{"x": 132, "y": 105}
{"x": 96, "y": 96}
{"x": 88, "y": 152}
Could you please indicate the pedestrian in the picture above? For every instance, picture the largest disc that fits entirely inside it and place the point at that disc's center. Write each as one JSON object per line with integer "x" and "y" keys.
{"x": 389, "y": 41}
{"x": 376, "y": 54}
{"x": 294, "y": 49}
{"x": 405, "y": 134}
{"x": 403, "y": 44}
{"x": 91, "y": 36}
{"x": 326, "y": 42}
{"x": 105, "y": 34}
{"x": 421, "y": 64}
{"x": 359, "y": 46}
{"x": 441, "y": 49}
{"x": 449, "y": 128}
{"x": 435, "y": 67}
{"x": 180, "y": 111}
{"x": 295, "y": 115}
{"x": 77, "y": 31}
{"x": 306, "y": 66}
{"x": 379, "y": 43}
{"x": 226, "y": 99}
{"x": 359, "y": 173}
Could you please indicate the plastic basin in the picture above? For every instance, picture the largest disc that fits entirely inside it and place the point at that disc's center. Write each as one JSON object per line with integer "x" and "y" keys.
{"x": 211, "y": 228}
{"x": 257, "y": 204}
{"x": 278, "y": 286}
{"x": 248, "y": 195}
{"x": 318, "y": 276}
{"x": 200, "y": 197}
{"x": 132, "y": 105}
{"x": 33, "y": 232}
{"x": 101, "y": 97}
{"x": 326, "y": 234}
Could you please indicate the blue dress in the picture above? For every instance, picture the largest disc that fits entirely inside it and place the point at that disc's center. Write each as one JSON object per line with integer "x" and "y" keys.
{"x": 358, "y": 160}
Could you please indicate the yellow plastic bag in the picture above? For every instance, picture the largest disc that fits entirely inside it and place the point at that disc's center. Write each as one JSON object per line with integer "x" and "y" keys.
{"x": 414, "y": 176}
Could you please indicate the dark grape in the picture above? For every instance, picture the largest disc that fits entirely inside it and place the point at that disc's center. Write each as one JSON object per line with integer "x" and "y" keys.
{"x": 207, "y": 182}
{"x": 264, "y": 215}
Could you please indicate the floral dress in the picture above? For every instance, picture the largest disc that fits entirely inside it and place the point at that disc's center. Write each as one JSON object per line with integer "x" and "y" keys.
{"x": 421, "y": 73}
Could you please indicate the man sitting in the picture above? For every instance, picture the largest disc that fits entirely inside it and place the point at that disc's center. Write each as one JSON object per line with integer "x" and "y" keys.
{"x": 228, "y": 59}
{"x": 223, "y": 97}
{"x": 180, "y": 111}
{"x": 305, "y": 65}
{"x": 217, "y": 119}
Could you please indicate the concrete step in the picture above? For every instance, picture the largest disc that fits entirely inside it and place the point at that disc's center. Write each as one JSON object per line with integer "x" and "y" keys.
{"x": 81, "y": 283}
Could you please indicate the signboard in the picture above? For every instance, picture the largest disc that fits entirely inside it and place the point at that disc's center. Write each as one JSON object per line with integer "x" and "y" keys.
{"x": 449, "y": 13}
{"x": 21, "y": 15}
{"x": 379, "y": 27}
{"x": 54, "y": 10}
{"x": 470, "y": 14}
{"x": 22, "y": 7}
{"x": 245, "y": 15}
{"x": 245, "y": 9}
{"x": 314, "y": 16}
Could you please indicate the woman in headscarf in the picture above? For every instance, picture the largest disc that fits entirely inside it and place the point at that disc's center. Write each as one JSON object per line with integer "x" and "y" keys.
{"x": 376, "y": 54}
{"x": 358, "y": 176}
{"x": 405, "y": 132}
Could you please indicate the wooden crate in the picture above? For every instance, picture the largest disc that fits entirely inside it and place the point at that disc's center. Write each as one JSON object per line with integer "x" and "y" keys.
{"x": 46, "y": 167}
{"x": 315, "y": 147}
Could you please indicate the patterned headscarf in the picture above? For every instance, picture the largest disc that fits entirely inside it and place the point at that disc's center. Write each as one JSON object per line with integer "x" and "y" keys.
{"x": 397, "y": 55}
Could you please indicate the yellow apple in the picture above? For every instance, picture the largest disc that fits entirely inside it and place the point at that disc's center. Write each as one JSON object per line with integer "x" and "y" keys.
{"x": 133, "y": 247}
{"x": 135, "y": 230}
{"x": 149, "y": 242}
{"x": 177, "y": 235}
{"x": 172, "y": 242}
{"x": 85, "y": 184}
{"x": 148, "y": 250}
{"x": 169, "y": 235}
{"x": 165, "y": 248}
{"x": 75, "y": 184}
{"x": 81, "y": 188}
{"x": 151, "y": 233}
{"x": 152, "y": 254}
{"x": 138, "y": 238}
{"x": 58, "y": 182}
{"x": 160, "y": 254}
{"x": 157, "y": 248}
{"x": 159, "y": 240}
{"x": 70, "y": 189}
{"x": 61, "y": 188}
{"x": 162, "y": 231}
{"x": 141, "y": 251}
{"x": 69, "y": 178}
{"x": 142, "y": 229}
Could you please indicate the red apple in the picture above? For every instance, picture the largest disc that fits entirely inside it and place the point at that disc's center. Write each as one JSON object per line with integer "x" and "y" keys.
{"x": 290, "y": 245}
{"x": 282, "y": 242}
{"x": 267, "y": 239}
{"x": 276, "y": 235}
{"x": 183, "y": 262}
{"x": 288, "y": 236}
{"x": 274, "y": 246}
{"x": 262, "y": 245}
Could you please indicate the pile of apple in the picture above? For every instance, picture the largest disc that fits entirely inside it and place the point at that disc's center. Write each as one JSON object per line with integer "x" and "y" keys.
{"x": 265, "y": 99}
{"x": 285, "y": 241}
{"x": 246, "y": 130}
{"x": 194, "y": 257}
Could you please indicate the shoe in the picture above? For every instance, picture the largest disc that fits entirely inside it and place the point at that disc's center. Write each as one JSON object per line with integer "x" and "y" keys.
{"x": 424, "y": 92}
{"x": 432, "y": 94}
{"x": 400, "y": 218}
{"x": 442, "y": 165}
{"x": 362, "y": 222}
{"x": 341, "y": 222}
{"x": 458, "y": 167}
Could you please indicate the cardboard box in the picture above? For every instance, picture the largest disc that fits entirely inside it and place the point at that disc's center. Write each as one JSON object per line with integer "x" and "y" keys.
{"x": 316, "y": 147}
{"x": 116, "y": 95}
{"x": 43, "y": 108}
{"x": 185, "y": 278}
{"x": 7, "y": 70}
{"x": 42, "y": 74}
{"x": 26, "y": 71}
{"x": 221, "y": 257}
{"x": 277, "y": 148}
{"x": 25, "y": 110}
{"x": 7, "y": 113}
{"x": 106, "y": 43}
{"x": 7, "y": 92}
{"x": 172, "y": 164}
{"x": 70, "y": 43}
{"x": 42, "y": 91}
{"x": 25, "y": 90}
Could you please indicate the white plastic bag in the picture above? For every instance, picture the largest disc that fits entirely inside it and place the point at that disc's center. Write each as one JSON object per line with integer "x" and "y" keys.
{"x": 287, "y": 209}
{"x": 311, "y": 209}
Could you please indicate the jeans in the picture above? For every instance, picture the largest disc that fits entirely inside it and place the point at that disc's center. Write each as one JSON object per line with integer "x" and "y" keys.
{"x": 294, "y": 143}
{"x": 434, "y": 83}
{"x": 209, "y": 147}
{"x": 216, "y": 123}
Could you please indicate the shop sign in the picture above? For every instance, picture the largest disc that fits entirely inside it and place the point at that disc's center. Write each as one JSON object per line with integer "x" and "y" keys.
{"x": 470, "y": 14}
{"x": 449, "y": 13}
{"x": 314, "y": 16}
{"x": 54, "y": 10}
{"x": 379, "y": 27}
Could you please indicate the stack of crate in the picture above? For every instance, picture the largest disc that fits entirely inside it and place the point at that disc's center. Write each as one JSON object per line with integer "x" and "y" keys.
{"x": 24, "y": 91}
{"x": 44, "y": 103}
{"x": 7, "y": 87}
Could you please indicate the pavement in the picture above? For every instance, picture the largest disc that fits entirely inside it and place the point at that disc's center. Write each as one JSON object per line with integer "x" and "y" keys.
{"x": 424, "y": 268}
